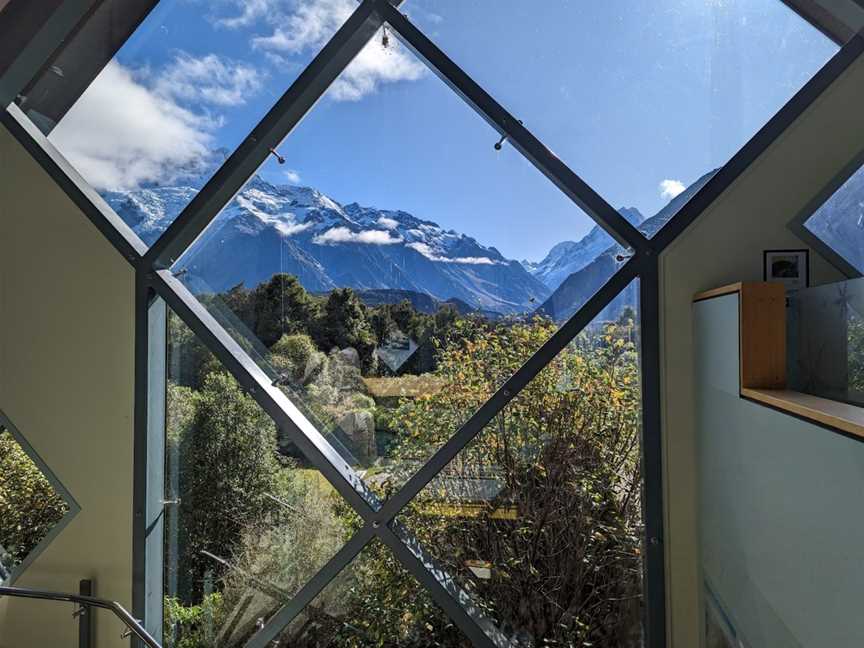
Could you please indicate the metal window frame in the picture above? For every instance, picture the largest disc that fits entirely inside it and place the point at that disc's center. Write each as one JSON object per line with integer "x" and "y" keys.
{"x": 156, "y": 287}
{"x": 59, "y": 488}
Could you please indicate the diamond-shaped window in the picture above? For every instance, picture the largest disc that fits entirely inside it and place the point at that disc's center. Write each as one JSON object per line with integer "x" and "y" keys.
{"x": 395, "y": 227}
{"x": 34, "y": 506}
{"x": 644, "y": 100}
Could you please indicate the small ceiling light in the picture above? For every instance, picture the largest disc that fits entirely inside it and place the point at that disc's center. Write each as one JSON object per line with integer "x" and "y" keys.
{"x": 385, "y": 38}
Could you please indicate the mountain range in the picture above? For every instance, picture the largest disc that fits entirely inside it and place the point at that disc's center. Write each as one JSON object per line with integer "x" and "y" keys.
{"x": 579, "y": 286}
{"x": 298, "y": 230}
{"x": 390, "y": 255}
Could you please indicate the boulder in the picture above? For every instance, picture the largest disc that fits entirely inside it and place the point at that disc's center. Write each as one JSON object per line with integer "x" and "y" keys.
{"x": 359, "y": 427}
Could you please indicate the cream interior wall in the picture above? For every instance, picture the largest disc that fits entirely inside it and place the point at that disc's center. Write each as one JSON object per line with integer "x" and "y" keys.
{"x": 725, "y": 245}
{"x": 66, "y": 381}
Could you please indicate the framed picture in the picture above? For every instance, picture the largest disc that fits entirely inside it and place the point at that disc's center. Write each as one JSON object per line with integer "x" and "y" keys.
{"x": 789, "y": 267}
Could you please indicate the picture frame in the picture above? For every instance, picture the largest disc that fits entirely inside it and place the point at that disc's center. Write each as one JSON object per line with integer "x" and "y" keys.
{"x": 789, "y": 267}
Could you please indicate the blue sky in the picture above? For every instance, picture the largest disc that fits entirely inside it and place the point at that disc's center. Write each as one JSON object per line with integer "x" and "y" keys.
{"x": 639, "y": 97}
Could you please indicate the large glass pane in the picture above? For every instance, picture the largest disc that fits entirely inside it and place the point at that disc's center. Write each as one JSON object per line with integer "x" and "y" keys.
{"x": 839, "y": 221}
{"x": 646, "y": 99}
{"x": 148, "y": 120}
{"x": 32, "y": 504}
{"x": 248, "y": 520}
{"x": 826, "y": 341}
{"x": 394, "y": 226}
{"x": 540, "y": 516}
{"x": 373, "y": 603}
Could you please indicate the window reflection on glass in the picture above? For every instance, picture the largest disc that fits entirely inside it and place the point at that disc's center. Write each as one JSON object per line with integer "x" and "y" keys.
{"x": 148, "y": 120}
{"x": 644, "y": 100}
{"x": 393, "y": 228}
{"x": 30, "y": 506}
{"x": 373, "y": 602}
{"x": 248, "y": 521}
{"x": 540, "y": 516}
{"x": 826, "y": 341}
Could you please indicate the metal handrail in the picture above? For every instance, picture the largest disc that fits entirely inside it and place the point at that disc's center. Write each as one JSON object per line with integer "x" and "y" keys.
{"x": 118, "y": 610}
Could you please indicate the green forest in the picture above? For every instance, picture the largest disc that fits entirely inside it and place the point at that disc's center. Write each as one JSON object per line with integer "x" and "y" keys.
{"x": 538, "y": 519}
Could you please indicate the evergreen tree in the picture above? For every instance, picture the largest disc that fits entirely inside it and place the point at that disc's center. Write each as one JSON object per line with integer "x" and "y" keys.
{"x": 281, "y": 306}
{"x": 344, "y": 323}
{"x": 228, "y": 464}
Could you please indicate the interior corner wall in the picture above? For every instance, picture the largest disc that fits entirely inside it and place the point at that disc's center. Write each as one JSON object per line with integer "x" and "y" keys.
{"x": 724, "y": 246}
{"x": 66, "y": 382}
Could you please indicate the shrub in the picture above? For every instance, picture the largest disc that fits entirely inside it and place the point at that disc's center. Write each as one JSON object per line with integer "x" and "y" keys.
{"x": 227, "y": 464}
{"x": 192, "y": 626}
{"x": 29, "y": 505}
{"x": 561, "y": 530}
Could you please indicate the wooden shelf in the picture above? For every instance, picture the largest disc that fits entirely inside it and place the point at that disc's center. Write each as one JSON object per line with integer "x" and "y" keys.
{"x": 718, "y": 292}
{"x": 834, "y": 414}
{"x": 762, "y": 331}
{"x": 762, "y": 336}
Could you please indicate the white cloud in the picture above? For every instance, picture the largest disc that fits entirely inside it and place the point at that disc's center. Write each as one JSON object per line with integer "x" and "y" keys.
{"x": 427, "y": 252}
{"x": 288, "y": 229}
{"x": 292, "y": 176}
{"x": 671, "y": 188}
{"x": 285, "y": 222}
{"x": 136, "y": 126}
{"x": 376, "y": 65}
{"x": 337, "y": 235}
{"x": 311, "y": 24}
{"x": 120, "y": 133}
{"x": 210, "y": 79}
{"x": 251, "y": 11}
{"x": 475, "y": 260}
{"x": 389, "y": 223}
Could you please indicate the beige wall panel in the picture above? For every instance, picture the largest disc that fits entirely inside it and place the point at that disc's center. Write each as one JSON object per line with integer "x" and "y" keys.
{"x": 725, "y": 246}
{"x": 66, "y": 381}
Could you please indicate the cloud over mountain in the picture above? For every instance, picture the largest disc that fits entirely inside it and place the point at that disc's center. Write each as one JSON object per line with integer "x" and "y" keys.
{"x": 146, "y": 141}
{"x": 338, "y": 235}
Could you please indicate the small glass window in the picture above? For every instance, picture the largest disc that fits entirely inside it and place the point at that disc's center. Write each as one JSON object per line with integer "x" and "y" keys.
{"x": 839, "y": 221}
{"x": 33, "y": 504}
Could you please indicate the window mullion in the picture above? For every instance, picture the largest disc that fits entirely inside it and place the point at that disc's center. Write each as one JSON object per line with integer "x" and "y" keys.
{"x": 279, "y": 621}
{"x": 446, "y": 591}
{"x": 38, "y": 50}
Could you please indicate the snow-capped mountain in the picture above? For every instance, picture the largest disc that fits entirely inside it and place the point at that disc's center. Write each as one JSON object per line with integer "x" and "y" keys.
{"x": 568, "y": 257}
{"x": 298, "y": 230}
